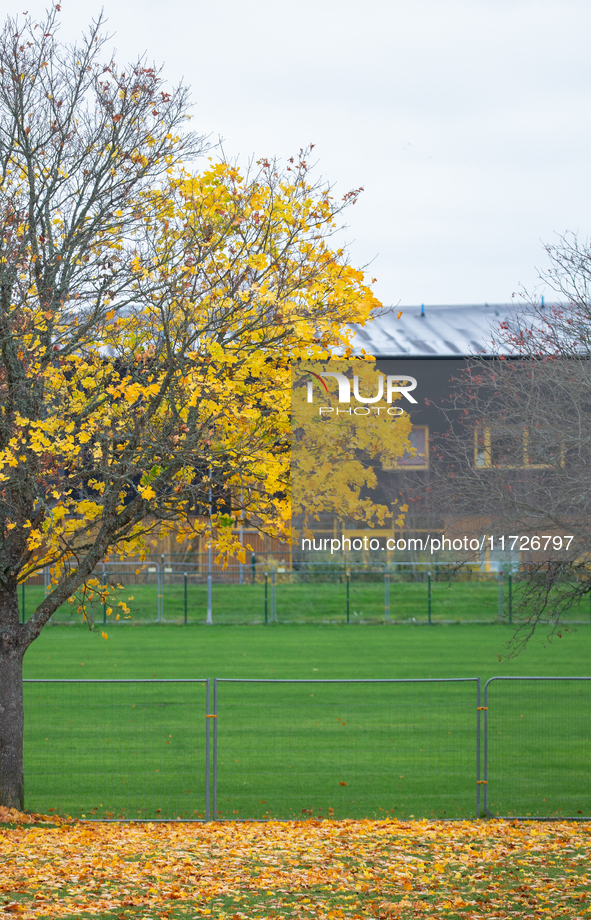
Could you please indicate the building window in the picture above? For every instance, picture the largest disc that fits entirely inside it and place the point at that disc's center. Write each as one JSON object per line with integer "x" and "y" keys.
{"x": 482, "y": 456}
{"x": 418, "y": 457}
{"x": 526, "y": 449}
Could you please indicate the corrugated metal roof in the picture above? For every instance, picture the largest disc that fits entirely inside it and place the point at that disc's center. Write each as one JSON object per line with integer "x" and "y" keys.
{"x": 443, "y": 331}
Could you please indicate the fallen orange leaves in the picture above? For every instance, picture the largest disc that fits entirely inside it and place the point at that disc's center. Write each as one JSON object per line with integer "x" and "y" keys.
{"x": 12, "y": 816}
{"x": 331, "y": 870}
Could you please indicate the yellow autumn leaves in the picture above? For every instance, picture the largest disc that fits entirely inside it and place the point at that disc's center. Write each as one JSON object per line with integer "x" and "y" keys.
{"x": 330, "y": 870}
{"x": 160, "y": 399}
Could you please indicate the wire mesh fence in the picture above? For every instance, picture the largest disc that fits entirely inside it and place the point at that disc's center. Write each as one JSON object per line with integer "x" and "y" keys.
{"x": 346, "y": 749}
{"x": 268, "y": 590}
{"x": 140, "y": 749}
{"x": 537, "y": 746}
{"x": 112, "y": 749}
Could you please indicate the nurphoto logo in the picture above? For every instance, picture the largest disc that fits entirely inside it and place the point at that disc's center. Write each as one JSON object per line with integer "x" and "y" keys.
{"x": 393, "y": 384}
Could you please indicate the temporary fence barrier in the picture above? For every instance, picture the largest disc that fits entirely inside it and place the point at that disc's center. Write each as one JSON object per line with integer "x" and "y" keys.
{"x": 537, "y": 747}
{"x": 118, "y": 749}
{"x": 346, "y": 748}
{"x": 140, "y": 749}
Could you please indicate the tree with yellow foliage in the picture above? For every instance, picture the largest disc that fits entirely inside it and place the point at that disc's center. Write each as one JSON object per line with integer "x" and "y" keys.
{"x": 336, "y": 448}
{"x": 148, "y": 320}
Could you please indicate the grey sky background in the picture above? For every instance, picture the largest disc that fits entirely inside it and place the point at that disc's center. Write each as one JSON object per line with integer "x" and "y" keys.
{"x": 468, "y": 122}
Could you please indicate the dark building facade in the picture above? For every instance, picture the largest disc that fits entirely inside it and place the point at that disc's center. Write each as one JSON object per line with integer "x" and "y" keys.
{"x": 431, "y": 345}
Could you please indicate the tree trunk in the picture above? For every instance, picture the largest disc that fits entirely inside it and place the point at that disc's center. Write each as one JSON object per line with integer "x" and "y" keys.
{"x": 12, "y": 648}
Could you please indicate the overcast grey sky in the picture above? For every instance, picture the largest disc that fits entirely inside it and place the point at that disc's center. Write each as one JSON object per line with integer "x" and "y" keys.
{"x": 467, "y": 122}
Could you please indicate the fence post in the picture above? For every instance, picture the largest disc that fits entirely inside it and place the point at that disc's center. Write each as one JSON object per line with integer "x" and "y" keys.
{"x": 274, "y": 596}
{"x": 429, "y": 596}
{"x": 386, "y": 595}
{"x": 214, "y": 797}
{"x": 510, "y": 598}
{"x": 209, "y": 618}
{"x": 104, "y": 602}
{"x": 185, "y": 598}
{"x": 478, "y": 710}
{"x": 500, "y": 604}
{"x": 485, "y": 750}
{"x": 161, "y": 590}
{"x": 348, "y": 580}
{"x": 266, "y": 596}
{"x": 253, "y": 563}
{"x": 207, "y": 720}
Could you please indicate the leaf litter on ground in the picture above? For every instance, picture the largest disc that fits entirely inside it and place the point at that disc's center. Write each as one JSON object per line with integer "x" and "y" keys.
{"x": 331, "y": 870}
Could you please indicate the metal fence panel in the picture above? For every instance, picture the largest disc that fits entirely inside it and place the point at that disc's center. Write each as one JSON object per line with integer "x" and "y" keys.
{"x": 111, "y": 749}
{"x": 537, "y": 747}
{"x": 137, "y": 749}
{"x": 185, "y": 596}
{"x": 178, "y": 588}
{"x": 348, "y": 749}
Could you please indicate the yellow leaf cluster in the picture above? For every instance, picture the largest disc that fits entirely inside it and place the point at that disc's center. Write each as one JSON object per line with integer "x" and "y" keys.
{"x": 168, "y": 409}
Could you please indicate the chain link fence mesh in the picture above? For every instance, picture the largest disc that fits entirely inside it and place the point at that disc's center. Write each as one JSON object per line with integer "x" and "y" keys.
{"x": 107, "y": 749}
{"x": 140, "y": 750}
{"x": 345, "y": 749}
{"x": 538, "y": 747}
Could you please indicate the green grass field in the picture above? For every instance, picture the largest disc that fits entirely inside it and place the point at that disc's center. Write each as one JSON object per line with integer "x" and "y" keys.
{"x": 293, "y": 750}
